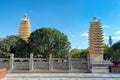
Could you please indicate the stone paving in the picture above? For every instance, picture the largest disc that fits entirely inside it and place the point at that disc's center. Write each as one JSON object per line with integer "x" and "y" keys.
{"x": 62, "y": 76}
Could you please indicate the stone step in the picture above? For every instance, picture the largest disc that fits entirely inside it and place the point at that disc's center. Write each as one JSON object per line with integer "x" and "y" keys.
{"x": 53, "y": 71}
{"x": 61, "y": 76}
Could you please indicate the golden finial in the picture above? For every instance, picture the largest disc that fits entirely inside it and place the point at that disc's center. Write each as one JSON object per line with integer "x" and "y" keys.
{"x": 94, "y": 19}
{"x": 25, "y": 16}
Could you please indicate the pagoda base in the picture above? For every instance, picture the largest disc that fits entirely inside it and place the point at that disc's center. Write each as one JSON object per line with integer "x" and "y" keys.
{"x": 96, "y": 57}
{"x": 100, "y": 67}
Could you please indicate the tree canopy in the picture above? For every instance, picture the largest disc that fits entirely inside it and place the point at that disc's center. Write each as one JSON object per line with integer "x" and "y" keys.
{"x": 107, "y": 52}
{"x": 45, "y": 41}
{"x": 20, "y": 49}
{"x": 113, "y": 51}
{"x": 6, "y": 43}
{"x": 79, "y": 53}
{"x": 116, "y": 50}
{"x": 13, "y": 44}
{"x": 75, "y": 52}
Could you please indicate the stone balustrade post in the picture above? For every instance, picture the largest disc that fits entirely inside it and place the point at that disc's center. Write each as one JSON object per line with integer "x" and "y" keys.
{"x": 11, "y": 62}
{"x": 69, "y": 63}
{"x": 31, "y": 63}
{"x": 88, "y": 61}
{"x": 50, "y": 62}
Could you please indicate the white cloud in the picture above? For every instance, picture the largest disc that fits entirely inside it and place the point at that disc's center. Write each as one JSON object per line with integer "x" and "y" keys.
{"x": 85, "y": 34}
{"x": 118, "y": 33}
{"x": 106, "y": 26}
{"x": 116, "y": 37}
{"x": 104, "y": 34}
{"x": 106, "y": 37}
{"x": 113, "y": 37}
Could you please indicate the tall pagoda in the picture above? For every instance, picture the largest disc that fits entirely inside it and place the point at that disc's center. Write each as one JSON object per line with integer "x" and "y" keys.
{"x": 24, "y": 29}
{"x": 96, "y": 48}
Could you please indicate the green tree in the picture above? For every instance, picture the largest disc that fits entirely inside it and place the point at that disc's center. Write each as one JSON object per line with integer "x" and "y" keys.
{"x": 75, "y": 53}
{"x": 1, "y": 39}
{"x": 47, "y": 41}
{"x": 107, "y": 52}
{"x": 115, "y": 49}
{"x": 110, "y": 41}
{"x": 79, "y": 53}
{"x": 5, "y": 45}
{"x": 84, "y": 52}
{"x": 20, "y": 49}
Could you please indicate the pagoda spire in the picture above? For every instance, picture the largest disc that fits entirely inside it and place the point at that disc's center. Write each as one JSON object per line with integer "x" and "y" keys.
{"x": 94, "y": 19}
{"x": 25, "y": 17}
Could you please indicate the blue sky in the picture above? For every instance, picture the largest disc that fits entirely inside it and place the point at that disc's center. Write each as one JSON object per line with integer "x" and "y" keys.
{"x": 71, "y": 17}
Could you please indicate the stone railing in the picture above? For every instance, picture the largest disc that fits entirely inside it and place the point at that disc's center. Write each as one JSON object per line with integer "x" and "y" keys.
{"x": 44, "y": 64}
{"x": 4, "y": 63}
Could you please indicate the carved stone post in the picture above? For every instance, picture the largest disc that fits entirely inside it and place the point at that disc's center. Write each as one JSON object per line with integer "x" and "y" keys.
{"x": 88, "y": 61}
{"x": 50, "y": 62}
{"x": 69, "y": 63}
{"x": 11, "y": 62}
{"x": 31, "y": 62}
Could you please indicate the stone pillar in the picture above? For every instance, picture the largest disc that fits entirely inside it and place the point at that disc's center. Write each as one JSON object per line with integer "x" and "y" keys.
{"x": 31, "y": 63}
{"x": 50, "y": 62}
{"x": 11, "y": 62}
{"x": 69, "y": 63}
{"x": 88, "y": 61}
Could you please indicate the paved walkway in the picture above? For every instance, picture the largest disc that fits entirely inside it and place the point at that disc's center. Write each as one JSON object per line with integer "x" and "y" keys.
{"x": 61, "y": 76}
